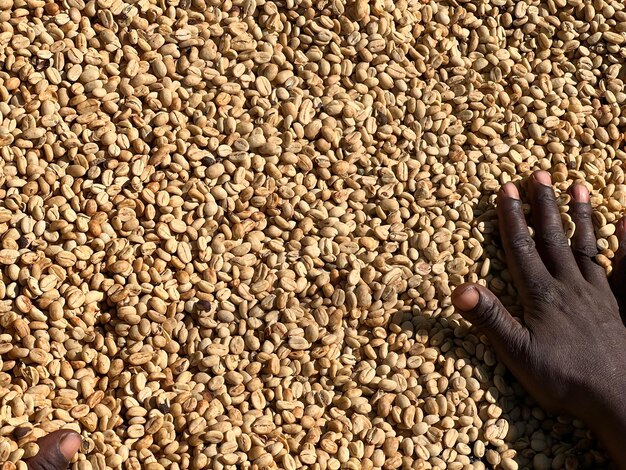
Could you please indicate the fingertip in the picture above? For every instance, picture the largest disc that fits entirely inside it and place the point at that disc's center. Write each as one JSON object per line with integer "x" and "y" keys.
{"x": 579, "y": 193}
{"x": 70, "y": 444}
{"x": 466, "y": 297}
{"x": 56, "y": 450}
{"x": 543, "y": 177}
{"x": 509, "y": 190}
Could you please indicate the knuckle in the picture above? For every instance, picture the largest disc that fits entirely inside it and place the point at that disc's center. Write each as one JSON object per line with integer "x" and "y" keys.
{"x": 523, "y": 243}
{"x": 512, "y": 204}
{"x": 543, "y": 293}
{"x": 489, "y": 315}
{"x": 545, "y": 196}
{"x": 511, "y": 208}
{"x": 49, "y": 461}
{"x": 553, "y": 237}
{"x": 538, "y": 284}
{"x": 582, "y": 213}
{"x": 585, "y": 250}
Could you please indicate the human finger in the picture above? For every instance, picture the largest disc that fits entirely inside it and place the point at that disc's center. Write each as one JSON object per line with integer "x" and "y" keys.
{"x": 550, "y": 238}
{"x": 618, "y": 275}
{"x": 524, "y": 262}
{"x": 55, "y": 450}
{"x": 584, "y": 244}
{"x": 480, "y": 306}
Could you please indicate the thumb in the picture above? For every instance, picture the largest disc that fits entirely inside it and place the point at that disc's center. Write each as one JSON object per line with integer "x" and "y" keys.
{"x": 55, "y": 450}
{"x": 478, "y": 305}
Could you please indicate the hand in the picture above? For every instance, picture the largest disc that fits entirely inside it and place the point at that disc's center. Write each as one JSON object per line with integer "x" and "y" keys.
{"x": 55, "y": 450}
{"x": 569, "y": 351}
{"x": 618, "y": 275}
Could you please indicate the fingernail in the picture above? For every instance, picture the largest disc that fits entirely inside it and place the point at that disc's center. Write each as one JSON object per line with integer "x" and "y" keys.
{"x": 509, "y": 190}
{"x": 580, "y": 193}
{"x": 69, "y": 445}
{"x": 542, "y": 177}
{"x": 465, "y": 298}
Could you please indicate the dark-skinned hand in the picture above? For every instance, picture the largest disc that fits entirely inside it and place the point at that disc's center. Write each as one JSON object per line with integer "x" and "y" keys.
{"x": 569, "y": 351}
{"x": 618, "y": 276}
{"x": 55, "y": 450}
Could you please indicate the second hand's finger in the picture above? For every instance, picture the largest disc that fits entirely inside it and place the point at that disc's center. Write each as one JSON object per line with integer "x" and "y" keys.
{"x": 55, "y": 450}
{"x": 524, "y": 263}
{"x": 618, "y": 276}
{"x": 584, "y": 244}
{"x": 550, "y": 237}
